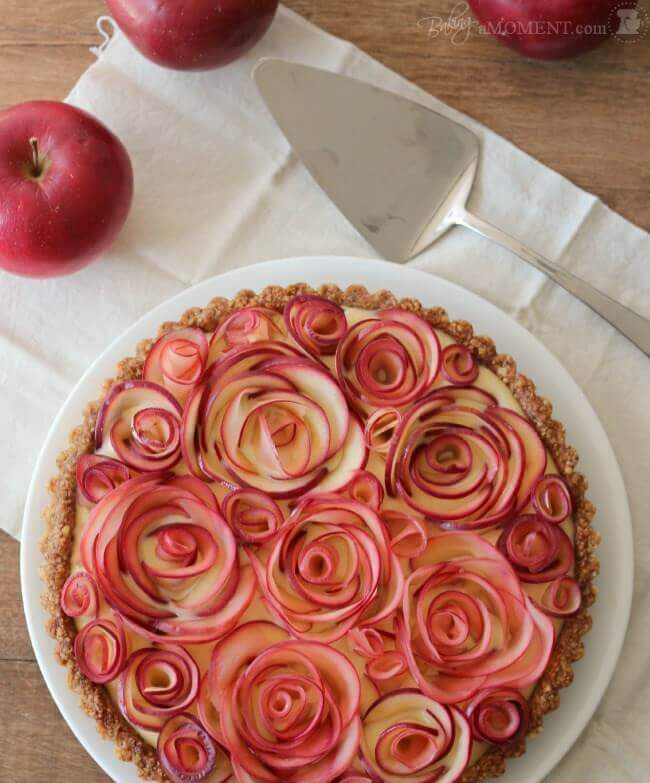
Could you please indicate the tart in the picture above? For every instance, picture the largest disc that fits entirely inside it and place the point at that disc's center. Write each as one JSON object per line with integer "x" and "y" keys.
{"x": 316, "y": 536}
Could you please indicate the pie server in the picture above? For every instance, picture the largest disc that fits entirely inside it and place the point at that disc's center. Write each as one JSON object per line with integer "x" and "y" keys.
{"x": 399, "y": 172}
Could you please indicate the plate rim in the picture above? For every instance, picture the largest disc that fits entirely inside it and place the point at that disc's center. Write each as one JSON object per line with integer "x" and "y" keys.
{"x": 321, "y": 267}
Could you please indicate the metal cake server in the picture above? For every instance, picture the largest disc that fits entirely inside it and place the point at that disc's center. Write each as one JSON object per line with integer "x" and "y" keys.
{"x": 399, "y": 172}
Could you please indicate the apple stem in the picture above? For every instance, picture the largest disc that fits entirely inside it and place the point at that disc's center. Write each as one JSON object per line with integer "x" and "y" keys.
{"x": 36, "y": 163}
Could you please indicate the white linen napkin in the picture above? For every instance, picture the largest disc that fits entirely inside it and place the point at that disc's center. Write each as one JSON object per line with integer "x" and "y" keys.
{"x": 217, "y": 188}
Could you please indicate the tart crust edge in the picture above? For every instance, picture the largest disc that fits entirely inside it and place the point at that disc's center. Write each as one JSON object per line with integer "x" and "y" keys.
{"x": 59, "y": 518}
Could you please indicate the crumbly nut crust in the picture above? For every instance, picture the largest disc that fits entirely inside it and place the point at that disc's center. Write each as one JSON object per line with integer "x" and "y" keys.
{"x": 59, "y": 518}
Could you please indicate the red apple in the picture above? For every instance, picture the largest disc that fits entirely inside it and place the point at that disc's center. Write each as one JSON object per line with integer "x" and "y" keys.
{"x": 193, "y": 35}
{"x": 550, "y": 29}
{"x": 66, "y": 186}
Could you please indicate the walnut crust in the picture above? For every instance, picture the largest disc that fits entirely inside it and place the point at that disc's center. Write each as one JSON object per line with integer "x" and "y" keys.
{"x": 59, "y": 518}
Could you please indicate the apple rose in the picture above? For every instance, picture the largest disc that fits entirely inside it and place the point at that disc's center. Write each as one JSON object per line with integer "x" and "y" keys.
{"x": 165, "y": 559}
{"x": 551, "y": 499}
{"x": 79, "y": 596}
{"x": 380, "y": 428}
{"x": 498, "y": 716}
{"x": 189, "y": 755}
{"x": 408, "y": 737}
{"x": 289, "y": 710}
{"x": 244, "y": 327}
{"x": 462, "y": 460}
{"x": 177, "y": 361}
{"x": 537, "y": 550}
{"x": 96, "y": 475}
{"x": 562, "y": 597}
{"x": 316, "y": 324}
{"x": 467, "y": 624}
{"x": 270, "y": 418}
{"x": 383, "y": 661}
{"x": 388, "y": 360}
{"x": 330, "y": 568}
{"x": 366, "y": 488}
{"x": 100, "y": 649}
{"x": 253, "y": 517}
{"x": 458, "y": 365}
{"x": 141, "y": 421}
{"x": 156, "y": 684}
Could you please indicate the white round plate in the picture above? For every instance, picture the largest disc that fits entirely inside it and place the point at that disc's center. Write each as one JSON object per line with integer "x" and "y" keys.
{"x": 598, "y": 462}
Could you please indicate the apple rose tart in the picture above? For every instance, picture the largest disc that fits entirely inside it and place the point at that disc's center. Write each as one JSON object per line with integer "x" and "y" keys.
{"x": 319, "y": 537}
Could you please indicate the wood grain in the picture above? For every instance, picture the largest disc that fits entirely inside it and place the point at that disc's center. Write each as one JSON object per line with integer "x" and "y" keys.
{"x": 587, "y": 118}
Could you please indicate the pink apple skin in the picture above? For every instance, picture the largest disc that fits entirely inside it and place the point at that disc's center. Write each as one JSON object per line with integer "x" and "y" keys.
{"x": 56, "y": 218}
{"x": 550, "y": 46}
{"x": 193, "y": 35}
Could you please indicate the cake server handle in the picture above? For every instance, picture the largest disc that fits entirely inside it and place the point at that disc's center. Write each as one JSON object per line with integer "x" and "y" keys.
{"x": 634, "y": 326}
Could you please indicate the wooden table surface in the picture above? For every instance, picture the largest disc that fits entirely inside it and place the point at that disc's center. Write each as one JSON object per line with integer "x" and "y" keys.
{"x": 584, "y": 118}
